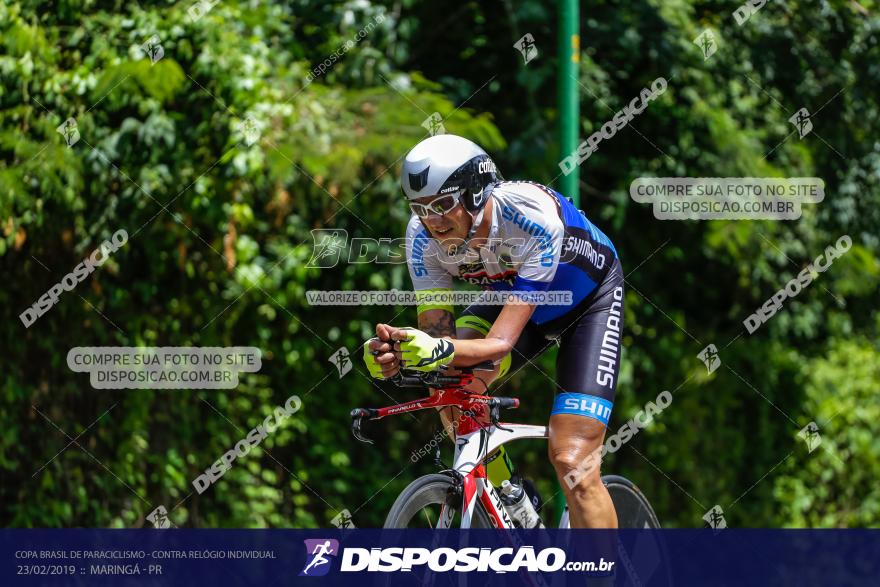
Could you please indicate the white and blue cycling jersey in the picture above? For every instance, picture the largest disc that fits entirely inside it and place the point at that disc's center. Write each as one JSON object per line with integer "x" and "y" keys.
{"x": 538, "y": 241}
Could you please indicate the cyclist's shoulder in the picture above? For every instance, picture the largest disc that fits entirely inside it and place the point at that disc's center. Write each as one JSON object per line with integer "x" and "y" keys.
{"x": 415, "y": 228}
{"x": 418, "y": 240}
{"x": 521, "y": 204}
{"x": 521, "y": 188}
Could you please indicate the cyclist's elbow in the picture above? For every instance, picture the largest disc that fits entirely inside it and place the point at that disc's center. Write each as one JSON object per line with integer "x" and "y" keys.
{"x": 501, "y": 347}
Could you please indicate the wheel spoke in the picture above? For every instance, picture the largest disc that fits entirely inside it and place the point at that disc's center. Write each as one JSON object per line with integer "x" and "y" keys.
{"x": 424, "y": 495}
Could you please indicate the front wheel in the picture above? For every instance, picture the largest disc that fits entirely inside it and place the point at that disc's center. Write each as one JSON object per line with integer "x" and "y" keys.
{"x": 424, "y": 500}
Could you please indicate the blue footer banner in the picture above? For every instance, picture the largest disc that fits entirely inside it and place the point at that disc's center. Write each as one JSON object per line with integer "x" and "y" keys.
{"x": 453, "y": 557}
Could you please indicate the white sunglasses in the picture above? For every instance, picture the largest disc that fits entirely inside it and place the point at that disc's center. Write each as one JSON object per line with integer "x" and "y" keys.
{"x": 439, "y": 206}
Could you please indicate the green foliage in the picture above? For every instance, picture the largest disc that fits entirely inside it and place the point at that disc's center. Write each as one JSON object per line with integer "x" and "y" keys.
{"x": 835, "y": 484}
{"x": 219, "y": 236}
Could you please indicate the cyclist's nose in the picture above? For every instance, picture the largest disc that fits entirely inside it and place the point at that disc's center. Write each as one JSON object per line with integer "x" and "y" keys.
{"x": 434, "y": 221}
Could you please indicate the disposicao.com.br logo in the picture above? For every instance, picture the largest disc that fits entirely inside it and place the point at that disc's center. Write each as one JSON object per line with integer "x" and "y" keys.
{"x": 440, "y": 560}
{"x": 318, "y": 553}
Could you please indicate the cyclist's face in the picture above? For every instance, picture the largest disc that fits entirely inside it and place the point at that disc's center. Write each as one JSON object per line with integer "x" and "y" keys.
{"x": 449, "y": 227}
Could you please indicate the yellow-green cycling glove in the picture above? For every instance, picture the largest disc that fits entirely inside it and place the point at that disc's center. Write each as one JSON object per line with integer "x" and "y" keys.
{"x": 422, "y": 352}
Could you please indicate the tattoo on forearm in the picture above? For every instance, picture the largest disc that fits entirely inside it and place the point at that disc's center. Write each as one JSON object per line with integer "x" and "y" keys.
{"x": 437, "y": 323}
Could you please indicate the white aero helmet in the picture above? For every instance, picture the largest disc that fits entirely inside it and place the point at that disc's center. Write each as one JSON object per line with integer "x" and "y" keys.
{"x": 446, "y": 164}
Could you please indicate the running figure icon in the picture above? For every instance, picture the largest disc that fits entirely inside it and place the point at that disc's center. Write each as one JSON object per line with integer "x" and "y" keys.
{"x": 319, "y": 551}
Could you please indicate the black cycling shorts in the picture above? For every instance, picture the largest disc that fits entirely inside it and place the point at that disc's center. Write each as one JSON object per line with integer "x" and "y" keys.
{"x": 589, "y": 338}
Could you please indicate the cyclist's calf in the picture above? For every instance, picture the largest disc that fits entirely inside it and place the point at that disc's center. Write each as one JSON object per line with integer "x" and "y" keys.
{"x": 575, "y": 441}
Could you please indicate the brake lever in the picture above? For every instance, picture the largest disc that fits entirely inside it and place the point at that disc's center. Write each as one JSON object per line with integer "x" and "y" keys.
{"x": 495, "y": 416}
{"x": 357, "y": 420}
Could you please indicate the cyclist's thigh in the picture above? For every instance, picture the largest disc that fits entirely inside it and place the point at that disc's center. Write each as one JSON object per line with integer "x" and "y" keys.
{"x": 588, "y": 363}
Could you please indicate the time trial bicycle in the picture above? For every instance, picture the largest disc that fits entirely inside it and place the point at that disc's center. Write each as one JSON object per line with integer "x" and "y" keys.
{"x": 463, "y": 496}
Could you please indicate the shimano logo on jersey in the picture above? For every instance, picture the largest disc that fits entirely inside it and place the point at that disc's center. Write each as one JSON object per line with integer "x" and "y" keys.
{"x": 610, "y": 342}
{"x": 578, "y": 246}
{"x": 487, "y": 167}
{"x": 420, "y": 243}
{"x": 545, "y": 239}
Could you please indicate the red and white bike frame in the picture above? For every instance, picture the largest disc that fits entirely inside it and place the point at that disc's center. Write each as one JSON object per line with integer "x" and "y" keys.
{"x": 477, "y": 437}
{"x": 472, "y": 446}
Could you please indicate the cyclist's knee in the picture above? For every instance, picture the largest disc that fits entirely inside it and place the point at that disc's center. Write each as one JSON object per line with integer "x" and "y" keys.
{"x": 587, "y": 488}
{"x": 584, "y": 462}
{"x": 579, "y": 475}
{"x": 575, "y": 450}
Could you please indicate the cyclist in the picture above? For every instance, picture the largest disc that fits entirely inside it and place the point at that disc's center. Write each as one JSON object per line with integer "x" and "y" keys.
{"x": 523, "y": 238}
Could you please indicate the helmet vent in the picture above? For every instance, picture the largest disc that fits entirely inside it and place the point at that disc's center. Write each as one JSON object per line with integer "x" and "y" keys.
{"x": 417, "y": 181}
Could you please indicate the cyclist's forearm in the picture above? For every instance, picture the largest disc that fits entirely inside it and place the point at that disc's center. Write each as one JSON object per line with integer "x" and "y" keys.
{"x": 471, "y": 352}
{"x": 438, "y": 323}
{"x": 500, "y": 340}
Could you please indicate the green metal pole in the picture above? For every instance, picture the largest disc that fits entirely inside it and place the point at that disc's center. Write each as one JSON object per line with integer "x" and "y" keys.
{"x": 567, "y": 88}
{"x": 569, "y": 119}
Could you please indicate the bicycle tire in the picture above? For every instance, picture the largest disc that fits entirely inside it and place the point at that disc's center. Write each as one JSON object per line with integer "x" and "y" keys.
{"x": 633, "y": 508}
{"x": 634, "y": 511}
{"x": 433, "y": 489}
